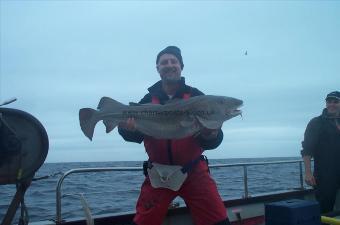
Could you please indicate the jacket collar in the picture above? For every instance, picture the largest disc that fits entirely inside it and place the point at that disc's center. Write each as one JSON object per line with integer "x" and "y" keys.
{"x": 157, "y": 89}
{"x": 326, "y": 116}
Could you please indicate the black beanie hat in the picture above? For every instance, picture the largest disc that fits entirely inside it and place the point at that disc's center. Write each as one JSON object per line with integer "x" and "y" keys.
{"x": 173, "y": 50}
{"x": 333, "y": 95}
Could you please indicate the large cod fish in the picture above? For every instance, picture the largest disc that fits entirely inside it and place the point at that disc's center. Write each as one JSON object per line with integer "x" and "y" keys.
{"x": 176, "y": 119}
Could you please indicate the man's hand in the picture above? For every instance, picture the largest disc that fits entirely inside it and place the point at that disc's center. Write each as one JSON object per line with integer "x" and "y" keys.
{"x": 129, "y": 125}
{"x": 309, "y": 179}
{"x": 209, "y": 134}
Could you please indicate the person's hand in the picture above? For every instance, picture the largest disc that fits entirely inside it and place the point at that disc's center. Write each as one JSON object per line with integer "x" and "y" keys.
{"x": 309, "y": 179}
{"x": 208, "y": 134}
{"x": 129, "y": 124}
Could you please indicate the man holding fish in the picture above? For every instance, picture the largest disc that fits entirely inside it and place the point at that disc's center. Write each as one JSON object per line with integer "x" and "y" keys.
{"x": 176, "y": 167}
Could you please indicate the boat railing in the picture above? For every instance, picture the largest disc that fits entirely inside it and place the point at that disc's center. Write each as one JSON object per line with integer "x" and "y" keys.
{"x": 107, "y": 169}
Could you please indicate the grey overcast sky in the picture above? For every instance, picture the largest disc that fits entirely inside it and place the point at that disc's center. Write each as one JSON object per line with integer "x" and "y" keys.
{"x": 60, "y": 56}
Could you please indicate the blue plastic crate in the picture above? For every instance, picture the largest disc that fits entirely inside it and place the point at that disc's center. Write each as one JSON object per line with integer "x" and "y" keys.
{"x": 293, "y": 212}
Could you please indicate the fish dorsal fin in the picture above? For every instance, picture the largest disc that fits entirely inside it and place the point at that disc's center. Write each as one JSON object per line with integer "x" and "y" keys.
{"x": 106, "y": 102}
{"x": 210, "y": 124}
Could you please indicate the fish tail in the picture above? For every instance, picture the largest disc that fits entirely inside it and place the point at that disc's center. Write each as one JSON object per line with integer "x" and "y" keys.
{"x": 87, "y": 121}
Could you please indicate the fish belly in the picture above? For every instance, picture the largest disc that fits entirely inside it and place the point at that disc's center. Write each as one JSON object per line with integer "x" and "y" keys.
{"x": 164, "y": 129}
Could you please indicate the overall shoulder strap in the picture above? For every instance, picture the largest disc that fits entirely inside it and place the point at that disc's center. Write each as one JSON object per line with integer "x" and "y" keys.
{"x": 186, "y": 95}
{"x": 155, "y": 100}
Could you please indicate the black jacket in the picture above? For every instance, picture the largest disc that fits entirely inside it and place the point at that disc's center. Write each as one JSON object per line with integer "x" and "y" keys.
{"x": 157, "y": 91}
{"x": 322, "y": 142}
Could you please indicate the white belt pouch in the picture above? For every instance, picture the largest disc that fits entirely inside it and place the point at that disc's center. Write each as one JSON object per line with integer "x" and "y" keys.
{"x": 166, "y": 176}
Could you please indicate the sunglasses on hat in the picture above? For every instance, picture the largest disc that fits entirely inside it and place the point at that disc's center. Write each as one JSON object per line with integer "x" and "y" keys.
{"x": 332, "y": 100}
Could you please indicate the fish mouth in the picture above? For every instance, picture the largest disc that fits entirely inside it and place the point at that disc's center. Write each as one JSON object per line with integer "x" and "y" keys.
{"x": 234, "y": 112}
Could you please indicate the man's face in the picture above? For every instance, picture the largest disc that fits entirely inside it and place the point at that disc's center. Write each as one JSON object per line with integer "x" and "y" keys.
{"x": 169, "y": 68}
{"x": 333, "y": 106}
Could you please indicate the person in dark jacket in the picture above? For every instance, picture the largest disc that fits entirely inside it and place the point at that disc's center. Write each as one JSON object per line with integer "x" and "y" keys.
{"x": 198, "y": 190}
{"x": 322, "y": 142}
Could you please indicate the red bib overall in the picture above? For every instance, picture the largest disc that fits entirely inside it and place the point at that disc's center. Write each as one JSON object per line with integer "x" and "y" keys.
{"x": 199, "y": 190}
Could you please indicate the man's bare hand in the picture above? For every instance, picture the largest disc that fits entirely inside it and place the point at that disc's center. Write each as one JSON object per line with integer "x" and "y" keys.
{"x": 309, "y": 179}
{"x": 129, "y": 124}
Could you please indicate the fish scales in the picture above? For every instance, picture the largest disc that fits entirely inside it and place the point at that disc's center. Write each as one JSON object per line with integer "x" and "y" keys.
{"x": 176, "y": 119}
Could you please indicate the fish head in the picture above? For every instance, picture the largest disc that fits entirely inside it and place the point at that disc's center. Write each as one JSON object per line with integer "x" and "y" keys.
{"x": 228, "y": 106}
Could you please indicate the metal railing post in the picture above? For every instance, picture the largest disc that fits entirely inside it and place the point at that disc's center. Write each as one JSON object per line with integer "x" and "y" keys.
{"x": 58, "y": 198}
{"x": 301, "y": 175}
{"x": 245, "y": 181}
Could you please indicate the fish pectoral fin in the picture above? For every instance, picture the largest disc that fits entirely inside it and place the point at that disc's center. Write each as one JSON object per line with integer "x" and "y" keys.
{"x": 189, "y": 122}
{"x": 210, "y": 124}
{"x": 110, "y": 125}
{"x": 186, "y": 123}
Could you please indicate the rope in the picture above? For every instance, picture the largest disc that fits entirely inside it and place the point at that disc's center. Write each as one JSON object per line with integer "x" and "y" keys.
{"x": 47, "y": 176}
{"x": 330, "y": 220}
